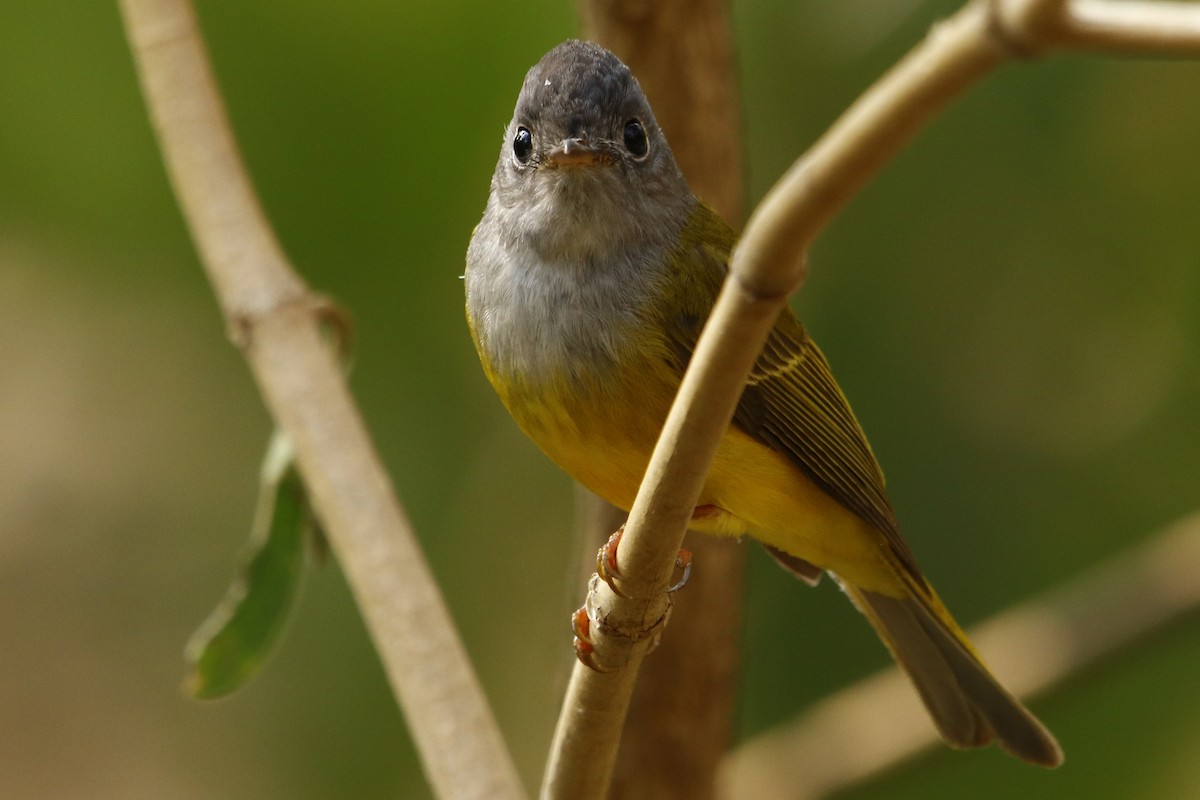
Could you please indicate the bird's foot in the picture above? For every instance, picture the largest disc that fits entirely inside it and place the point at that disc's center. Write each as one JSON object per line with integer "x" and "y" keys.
{"x": 606, "y": 565}
{"x": 606, "y": 562}
{"x": 581, "y": 624}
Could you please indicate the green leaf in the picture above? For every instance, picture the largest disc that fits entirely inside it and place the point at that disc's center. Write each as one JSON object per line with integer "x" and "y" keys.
{"x": 233, "y": 643}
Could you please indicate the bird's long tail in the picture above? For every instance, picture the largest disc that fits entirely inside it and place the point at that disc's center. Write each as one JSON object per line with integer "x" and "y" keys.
{"x": 968, "y": 705}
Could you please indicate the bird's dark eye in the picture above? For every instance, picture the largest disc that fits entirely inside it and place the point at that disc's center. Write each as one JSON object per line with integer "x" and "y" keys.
{"x": 523, "y": 145}
{"x": 635, "y": 138}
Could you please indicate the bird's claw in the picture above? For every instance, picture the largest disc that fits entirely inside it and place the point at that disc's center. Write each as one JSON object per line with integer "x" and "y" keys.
{"x": 606, "y": 565}
{"x": 581, "y": 624}
{"x": 608, "y": 571}
{"x": 683, "y": 561}
{"x": 606, "y": 562}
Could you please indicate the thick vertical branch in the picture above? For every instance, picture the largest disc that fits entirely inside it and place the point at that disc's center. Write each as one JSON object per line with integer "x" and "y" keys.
{"x": 271, "y": 315}
{"x": 681, "y": 713}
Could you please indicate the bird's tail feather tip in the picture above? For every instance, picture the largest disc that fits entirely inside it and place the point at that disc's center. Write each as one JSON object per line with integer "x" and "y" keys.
{"x": 968, "y": 705}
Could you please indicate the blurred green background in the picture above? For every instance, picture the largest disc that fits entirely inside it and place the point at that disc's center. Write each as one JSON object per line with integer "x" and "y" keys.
{"x": 1013, "y": 308}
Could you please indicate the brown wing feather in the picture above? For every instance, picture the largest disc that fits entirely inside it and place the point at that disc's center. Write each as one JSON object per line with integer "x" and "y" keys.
{"x": 791, "y": 402}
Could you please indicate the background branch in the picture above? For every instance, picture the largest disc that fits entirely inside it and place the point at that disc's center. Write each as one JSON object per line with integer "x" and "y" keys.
{"x": 271, "y": 317}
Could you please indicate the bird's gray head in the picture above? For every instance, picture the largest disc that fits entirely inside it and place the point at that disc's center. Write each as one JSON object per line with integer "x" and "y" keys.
{"x": 584, "y": 166}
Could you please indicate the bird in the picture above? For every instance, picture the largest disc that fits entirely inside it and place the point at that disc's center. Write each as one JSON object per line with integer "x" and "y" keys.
{"x": 589, "y": 279}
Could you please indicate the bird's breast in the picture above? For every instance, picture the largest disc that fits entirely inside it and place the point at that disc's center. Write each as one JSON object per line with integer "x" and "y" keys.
{"x": 544, "y": 323}
{"x": 572, "y": 354}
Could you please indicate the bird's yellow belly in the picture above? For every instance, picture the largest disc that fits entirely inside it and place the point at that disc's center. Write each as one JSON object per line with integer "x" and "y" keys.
{"x": 756, "y": 490}
{"x": 769, "y": 498}
{"x": 604, "y": 444}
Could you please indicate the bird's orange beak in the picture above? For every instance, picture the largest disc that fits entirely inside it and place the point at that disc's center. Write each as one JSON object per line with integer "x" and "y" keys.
{"x": 574, "y": 152}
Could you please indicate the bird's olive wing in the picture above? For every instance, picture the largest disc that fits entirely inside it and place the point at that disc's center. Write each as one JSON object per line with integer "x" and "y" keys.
{"x": 791, "y": 401}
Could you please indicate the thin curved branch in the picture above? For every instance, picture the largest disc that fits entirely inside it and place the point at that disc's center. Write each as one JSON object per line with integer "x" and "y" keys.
{"x": 877, "y": 723}
{"x": 1111, "y": 26}
{"x": 271, "y": 316}
{"x": 767, "y": 266}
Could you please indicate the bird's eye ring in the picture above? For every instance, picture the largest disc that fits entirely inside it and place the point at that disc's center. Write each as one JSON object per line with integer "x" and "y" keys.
{"x": 635, "y": 138}
{"x": 523, "y": 144}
